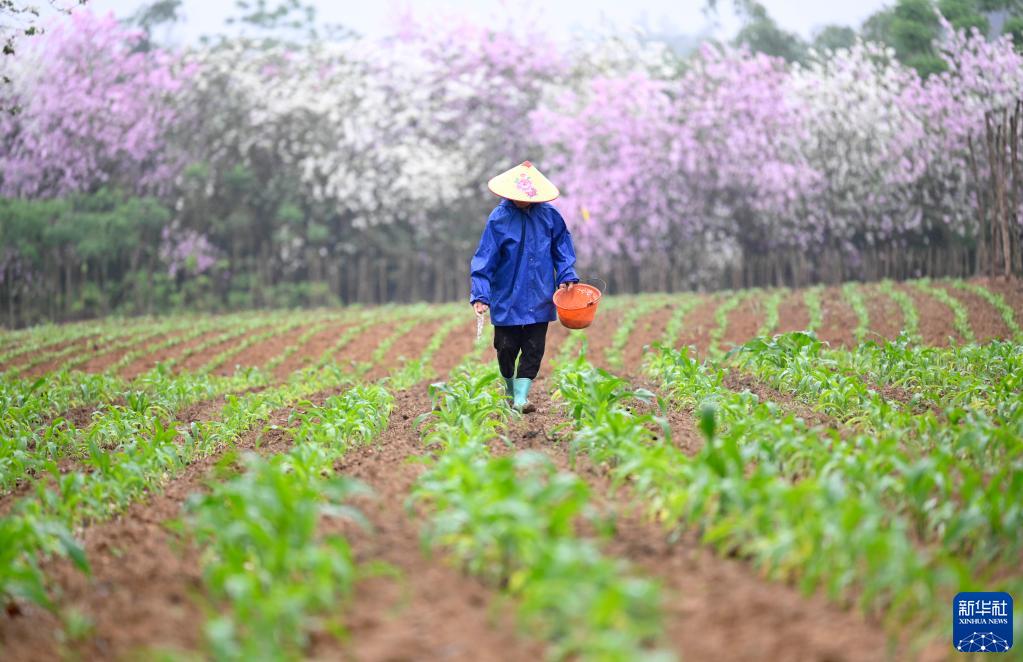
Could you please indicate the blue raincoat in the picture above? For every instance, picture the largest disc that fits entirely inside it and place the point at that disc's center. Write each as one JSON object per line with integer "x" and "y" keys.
{"x": 524, "y": 254}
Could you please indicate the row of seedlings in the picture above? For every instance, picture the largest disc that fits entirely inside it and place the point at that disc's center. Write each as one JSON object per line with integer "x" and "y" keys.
{"x": 270, "y": 577}
{"x": 511, "y": 520}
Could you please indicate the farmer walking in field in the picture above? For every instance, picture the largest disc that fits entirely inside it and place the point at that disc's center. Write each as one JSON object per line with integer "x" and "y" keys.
{"x": 524, "y": 254}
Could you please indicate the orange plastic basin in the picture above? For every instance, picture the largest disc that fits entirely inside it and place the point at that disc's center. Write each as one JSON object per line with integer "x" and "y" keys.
{"x": 578, "y": 306}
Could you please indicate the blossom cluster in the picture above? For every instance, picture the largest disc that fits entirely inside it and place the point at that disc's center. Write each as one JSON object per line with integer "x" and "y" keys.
{"x": 650, "y": 149}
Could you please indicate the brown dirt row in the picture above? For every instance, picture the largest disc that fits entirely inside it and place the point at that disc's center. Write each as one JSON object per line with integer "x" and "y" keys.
{"x": 362, "y": 346}
{"x": 936, "y": 319}
{"x": 431, "y": 611}
{"x": 317, "y": 344}
{"x": 459, "y": 343}
{"x": 260, "y": 353}
{"x": 714, "y": 607}
{"x": 743, "y": 322}
{"x": 649, "y": 329}
{"x": 104, "y": 360}
{"x": 838, "y": 321}
{"x": 49, "y": 348}
{"x": 1011, "y": 291}
{"x": 698, "y": 324}
{"x": 886, "y": 321}
{"x": 201, "y": 358}
{"x": 985, "y": 320}
{"x": 149, "y": 360}
{"x": 792, "y": 313}
{"x": 600, "y": 335}
{"x": 408, "y": 347}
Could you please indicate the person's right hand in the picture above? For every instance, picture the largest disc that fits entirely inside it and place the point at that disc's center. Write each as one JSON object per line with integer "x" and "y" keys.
{"x": 480, "y": 307}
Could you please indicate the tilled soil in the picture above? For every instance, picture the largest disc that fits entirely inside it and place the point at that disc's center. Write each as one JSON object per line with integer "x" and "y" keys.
{"x": 886, "y": 321}
{"x": 201, "y": 358}
{"x": 792, "y": 313}
{"x": 51, "y": 348}
{"x": 149, "y": 360}
{"x": 838, "y": 319}
{"x": 743, "y": 323}
{"x": 141, "y": 594}
{"x": 430, "y": 610}
{"x": 362, "y": 346}
{"x": 715, "y": 608}
{"x": 459, "y": 343}
{"x": 698, "y": 324}
{"x": 937, "y": 322}
{"x": 600, "y": 334}
{"x": 261, "y": 353}
{"x": 985, "y": 320}
{"x": 407, "y": 348}
{"x": 317, "y": 344}
{"x": 648, "y": 330}
{"x": 103, "y": 361}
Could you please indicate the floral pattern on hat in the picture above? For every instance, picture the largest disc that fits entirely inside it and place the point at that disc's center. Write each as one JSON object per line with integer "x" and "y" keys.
{"x": 525, "y": 184}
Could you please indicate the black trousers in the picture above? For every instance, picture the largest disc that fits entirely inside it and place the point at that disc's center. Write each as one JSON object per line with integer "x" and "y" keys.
{"x": 527, "y": 340}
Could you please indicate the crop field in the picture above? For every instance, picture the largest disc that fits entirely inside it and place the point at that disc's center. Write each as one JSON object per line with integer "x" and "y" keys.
{"x": 759, "y": 474}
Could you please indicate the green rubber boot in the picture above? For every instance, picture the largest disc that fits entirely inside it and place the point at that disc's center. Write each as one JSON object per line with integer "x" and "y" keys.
{"x": 509, "y": 388}
{"x": 522, "y": 386}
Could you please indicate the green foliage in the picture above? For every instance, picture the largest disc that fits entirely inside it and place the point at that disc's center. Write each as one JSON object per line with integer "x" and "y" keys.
{"x": 812, "y": 301}
{"x": 512, "y": 519}
{"x": 641, "y": 307}
{"x": 721, "y": 319}
{"x": 771, "y": 304}
{"x": 961, "y": 315}
{"x": 834, "y": 37}
{"x": 964, "y": 15}
{"x": 129, "y": 451}
{"x": 1014, "y": 26}
{"x": 956, "y": 439}
{"x": 911, "y": 27}
{"x": 996, "y": 300}
{"x": 762, "y": 34}
{"x": 854, "y": 297}
{"x": 809, "y": 505}
{"x": 23, "y": 541}
{"x": 910, "y": 316}
{"x": 674, "y": 326}
{"x": 262, "y": 554}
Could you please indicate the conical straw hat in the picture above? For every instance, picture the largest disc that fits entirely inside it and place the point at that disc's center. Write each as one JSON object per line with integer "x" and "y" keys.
{"x": 524, "y": 183}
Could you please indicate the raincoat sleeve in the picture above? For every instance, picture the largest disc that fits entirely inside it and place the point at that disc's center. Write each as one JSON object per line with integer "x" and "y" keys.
{"x": 563, "y": 251}
{"x": 483, "y": 265}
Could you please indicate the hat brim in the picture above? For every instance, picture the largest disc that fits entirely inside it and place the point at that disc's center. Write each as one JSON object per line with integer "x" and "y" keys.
{"x": 519, "y": 196}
